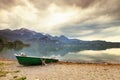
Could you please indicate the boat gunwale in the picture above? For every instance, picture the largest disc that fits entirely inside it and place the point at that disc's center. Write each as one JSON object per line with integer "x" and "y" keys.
{"x": 35, "y": 57}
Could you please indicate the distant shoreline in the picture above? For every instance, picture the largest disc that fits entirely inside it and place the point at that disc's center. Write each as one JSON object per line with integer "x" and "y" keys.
{"x": 69, "y": 63}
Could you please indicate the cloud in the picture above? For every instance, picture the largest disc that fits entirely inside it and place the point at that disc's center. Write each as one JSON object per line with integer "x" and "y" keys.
{"x": 81, "y": 19}
{"x": 79, "y": 3}
{"x": 110, "y": 8}
{"x": 9, "y": 4}
{"x": 44, "y": 4}
{"x": 94, "y": 31}
{"x": 5, "y": 4}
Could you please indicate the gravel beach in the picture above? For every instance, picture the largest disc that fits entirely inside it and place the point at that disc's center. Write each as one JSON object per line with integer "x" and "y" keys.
{"x": 58, "y": 71}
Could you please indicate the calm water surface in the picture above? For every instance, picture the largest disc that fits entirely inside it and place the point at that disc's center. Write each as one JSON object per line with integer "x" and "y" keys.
{"x": 92, "y": 56}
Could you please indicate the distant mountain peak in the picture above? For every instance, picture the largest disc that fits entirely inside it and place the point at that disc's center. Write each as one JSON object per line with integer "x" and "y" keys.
{"x": 6, "y": 30}
{"x": 22, "y": 29}
{"x": 63, "y": 37}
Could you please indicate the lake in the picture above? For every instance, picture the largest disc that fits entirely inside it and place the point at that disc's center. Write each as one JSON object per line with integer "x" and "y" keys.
{"x": 65, "y": 54}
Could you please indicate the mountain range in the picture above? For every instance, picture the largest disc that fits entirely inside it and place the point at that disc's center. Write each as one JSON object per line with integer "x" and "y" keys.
{"x": 42, "y": 39}
{"x": 28, "y": 35}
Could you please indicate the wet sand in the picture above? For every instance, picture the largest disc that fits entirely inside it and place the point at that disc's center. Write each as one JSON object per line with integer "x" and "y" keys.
{"x": 60, "y": 71}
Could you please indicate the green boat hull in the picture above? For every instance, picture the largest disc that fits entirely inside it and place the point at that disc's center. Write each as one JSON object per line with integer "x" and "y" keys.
{"x": 24, "y": 60}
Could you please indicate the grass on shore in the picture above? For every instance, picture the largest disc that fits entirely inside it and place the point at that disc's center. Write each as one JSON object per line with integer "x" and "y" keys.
{"x": 1, "y": 64}
{"x": 17, "y": 71}
{"x": 3, "y": 73}
{"x": 20, "y": 78}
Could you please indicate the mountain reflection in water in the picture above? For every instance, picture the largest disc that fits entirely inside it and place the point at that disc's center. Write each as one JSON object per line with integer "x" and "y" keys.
{"x": 66, "y": 53}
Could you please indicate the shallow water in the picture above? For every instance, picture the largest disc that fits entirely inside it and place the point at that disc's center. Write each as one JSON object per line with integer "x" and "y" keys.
{"x": 65, "y": 54}
{"x": 108, "y": 55}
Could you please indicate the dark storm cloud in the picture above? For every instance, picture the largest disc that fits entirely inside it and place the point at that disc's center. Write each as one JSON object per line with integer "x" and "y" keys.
{"x": 88, "y": 29}
{"x": 109, "y": 7}
{"x": 6, "y": 4}
{"x": 79, "y": 3}
{"x": 42, "y": 4}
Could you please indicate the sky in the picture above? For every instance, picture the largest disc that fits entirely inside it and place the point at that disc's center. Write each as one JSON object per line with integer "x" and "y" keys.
{"x": 80, "y": 19}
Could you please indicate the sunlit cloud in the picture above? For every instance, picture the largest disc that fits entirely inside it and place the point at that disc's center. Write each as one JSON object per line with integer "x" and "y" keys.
{"x": 81, "y": 19}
